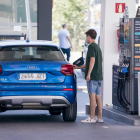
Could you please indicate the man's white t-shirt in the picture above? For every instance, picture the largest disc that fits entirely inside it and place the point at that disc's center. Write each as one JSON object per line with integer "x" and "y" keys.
{"x": 63, "y": 40}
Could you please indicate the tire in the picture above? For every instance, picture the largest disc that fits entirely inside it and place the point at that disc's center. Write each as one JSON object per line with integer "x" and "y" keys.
{"x": 70, "y": 113}
{"x": 55, "y": 112}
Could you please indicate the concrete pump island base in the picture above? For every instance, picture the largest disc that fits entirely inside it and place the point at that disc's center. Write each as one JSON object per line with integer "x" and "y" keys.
{"x": 119, "y": 116}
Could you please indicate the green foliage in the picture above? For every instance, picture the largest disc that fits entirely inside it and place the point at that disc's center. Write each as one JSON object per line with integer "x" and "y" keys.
{"x": 71, "y": 12}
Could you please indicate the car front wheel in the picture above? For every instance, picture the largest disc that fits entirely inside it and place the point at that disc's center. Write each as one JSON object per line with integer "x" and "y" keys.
{"x": 70, "y": 113}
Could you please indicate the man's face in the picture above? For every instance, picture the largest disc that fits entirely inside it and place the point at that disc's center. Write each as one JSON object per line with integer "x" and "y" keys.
{"x": 88, "y": 39}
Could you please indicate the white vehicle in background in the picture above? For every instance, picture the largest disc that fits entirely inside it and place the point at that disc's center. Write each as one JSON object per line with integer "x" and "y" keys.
{"x": 85, "y": 46}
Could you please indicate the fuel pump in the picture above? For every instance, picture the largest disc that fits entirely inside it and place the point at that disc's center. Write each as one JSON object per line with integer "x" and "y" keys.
{"x": 125, "y": 76}
{"x": 124, "y": 62}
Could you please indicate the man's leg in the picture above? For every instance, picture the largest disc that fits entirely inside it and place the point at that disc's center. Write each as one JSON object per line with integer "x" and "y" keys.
{"x": 99, "y": 104}
{"x": 92, "y": 105}
{"x": 68, "y": 54}
{"x": 92, "y": 96}
{"x": 63, "y": 50}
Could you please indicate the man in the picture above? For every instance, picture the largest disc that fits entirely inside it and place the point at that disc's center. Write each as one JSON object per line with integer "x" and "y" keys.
{"x": 65, "y": 41}
{"x": 93, "y": 76}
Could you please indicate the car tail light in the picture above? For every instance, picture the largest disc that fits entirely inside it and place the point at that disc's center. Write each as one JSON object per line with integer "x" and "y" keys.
{"x": 67, "y": 70}
{"x": 68, "y": 89}
{"x": 0, "y": 69}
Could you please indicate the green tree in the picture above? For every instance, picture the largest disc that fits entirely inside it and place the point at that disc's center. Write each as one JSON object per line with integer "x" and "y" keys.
{"x": 71, "y": 12}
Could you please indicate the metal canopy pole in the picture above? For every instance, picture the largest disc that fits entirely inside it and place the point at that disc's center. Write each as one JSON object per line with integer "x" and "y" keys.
{"x": 88, "y": 4}
{"x": 28, "y": 19}
{"x": 75, "y": 45}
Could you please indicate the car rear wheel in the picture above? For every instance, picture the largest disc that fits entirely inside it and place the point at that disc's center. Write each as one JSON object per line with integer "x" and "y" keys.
{"x": 55, "y": 112}
{"x": 70, "y": 113}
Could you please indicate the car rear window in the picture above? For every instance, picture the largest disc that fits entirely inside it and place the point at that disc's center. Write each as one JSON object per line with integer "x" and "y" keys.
{"x": 31, "y": 53}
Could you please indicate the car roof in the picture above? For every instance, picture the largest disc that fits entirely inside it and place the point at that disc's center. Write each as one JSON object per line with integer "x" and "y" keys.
{"x": 5, "y": 43}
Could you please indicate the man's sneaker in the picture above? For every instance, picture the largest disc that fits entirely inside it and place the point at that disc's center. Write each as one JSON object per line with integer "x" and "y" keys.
{"x": 99, "y": 120}
{"x": 89, "y": 120}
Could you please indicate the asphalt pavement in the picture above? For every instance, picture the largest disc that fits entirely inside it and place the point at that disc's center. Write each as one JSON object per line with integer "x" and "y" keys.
{"x": 40, "y": 125}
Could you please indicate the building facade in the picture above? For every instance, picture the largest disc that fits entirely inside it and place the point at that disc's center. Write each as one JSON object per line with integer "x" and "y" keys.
{"x": 13, "y": 17}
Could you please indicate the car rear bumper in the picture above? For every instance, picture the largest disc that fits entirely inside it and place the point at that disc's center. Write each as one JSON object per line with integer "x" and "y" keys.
{"x": 69, "y": 95}
{"x": 35, "y": 101}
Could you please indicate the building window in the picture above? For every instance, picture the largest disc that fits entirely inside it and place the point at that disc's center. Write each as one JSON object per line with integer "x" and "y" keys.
{"x": 14, "y": 11}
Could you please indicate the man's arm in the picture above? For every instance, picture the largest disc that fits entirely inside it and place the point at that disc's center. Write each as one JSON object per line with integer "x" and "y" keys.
{"x": 69, "y": 40}
{"x": 91, "y": 65}
{"x": 80, "y": 67}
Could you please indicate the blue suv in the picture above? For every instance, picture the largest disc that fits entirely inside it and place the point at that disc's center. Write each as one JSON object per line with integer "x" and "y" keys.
{"x": 35, "y": 75}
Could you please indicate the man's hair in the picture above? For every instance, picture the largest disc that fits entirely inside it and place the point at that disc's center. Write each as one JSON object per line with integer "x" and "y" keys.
{"x": 92, "y": 33}
{"x": 64, "y": 25}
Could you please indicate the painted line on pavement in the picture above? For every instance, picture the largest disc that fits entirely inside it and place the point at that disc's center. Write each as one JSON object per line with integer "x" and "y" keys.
{"x": 105, "y": 127}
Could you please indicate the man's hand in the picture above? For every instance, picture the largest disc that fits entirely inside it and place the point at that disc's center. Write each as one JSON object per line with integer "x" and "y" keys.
{"x": 68, "y": 37}
{"x": 80, "y": 67}
{"x": 88, "y": 78}
{"x": 75, "y": 67}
